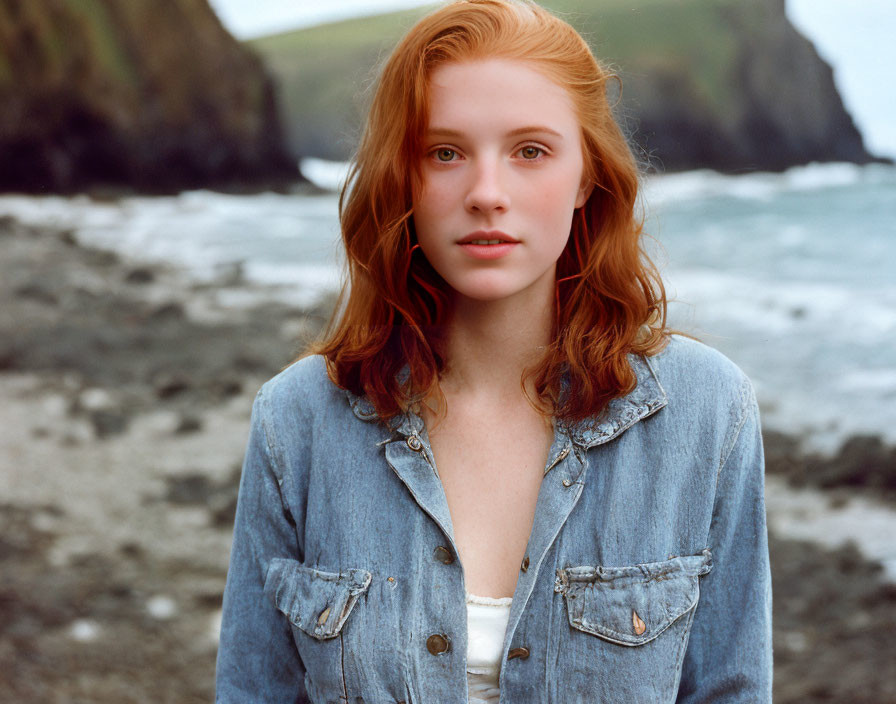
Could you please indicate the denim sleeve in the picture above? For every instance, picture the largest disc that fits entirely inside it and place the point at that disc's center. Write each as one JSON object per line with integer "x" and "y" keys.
{"x": 257, "y": 658}
{"x": 729, "y": 653}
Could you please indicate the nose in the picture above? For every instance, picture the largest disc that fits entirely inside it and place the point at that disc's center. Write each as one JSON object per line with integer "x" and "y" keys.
{"x": 487, "y": 191}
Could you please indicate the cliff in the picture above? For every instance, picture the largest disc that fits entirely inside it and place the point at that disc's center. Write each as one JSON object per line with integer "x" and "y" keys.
{"x": 720, "y": 84}
{"x": 155, "y": 96}
{"x": 748, "y": 92}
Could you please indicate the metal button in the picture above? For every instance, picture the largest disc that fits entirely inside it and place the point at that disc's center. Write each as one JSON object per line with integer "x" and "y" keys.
{"x": 414, "y": 443}
{"x": 567, "y": 483}
{"x": 443, "y": 554}
{"x": 525, "y": 566}
{"x": 437, "y": 644}
{"x": 518, "y": 653}
{"x": 322, "y": 619}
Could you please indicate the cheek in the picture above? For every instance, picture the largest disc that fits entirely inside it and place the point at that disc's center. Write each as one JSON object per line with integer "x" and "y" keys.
{"x": 430, "y": 201}
{"x": 433, "y": 211}
{"x": 553, "y": 203}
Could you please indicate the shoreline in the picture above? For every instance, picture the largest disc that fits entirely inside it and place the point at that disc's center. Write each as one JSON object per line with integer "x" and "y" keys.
{"x": 126, "y": 394}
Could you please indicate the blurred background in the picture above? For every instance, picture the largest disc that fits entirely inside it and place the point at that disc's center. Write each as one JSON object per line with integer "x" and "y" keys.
{"x": 169, "y": 240}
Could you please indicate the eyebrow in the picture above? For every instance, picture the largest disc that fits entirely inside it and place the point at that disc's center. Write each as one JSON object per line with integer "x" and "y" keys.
{"x": 529, "y": 129}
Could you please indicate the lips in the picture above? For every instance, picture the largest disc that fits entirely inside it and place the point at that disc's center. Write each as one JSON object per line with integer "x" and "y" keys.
{"x": 488, "y": 244}
{"x": 488, "y": 238}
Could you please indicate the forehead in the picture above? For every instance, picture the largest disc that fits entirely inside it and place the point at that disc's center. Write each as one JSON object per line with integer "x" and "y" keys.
{"x": 497, "y": 94}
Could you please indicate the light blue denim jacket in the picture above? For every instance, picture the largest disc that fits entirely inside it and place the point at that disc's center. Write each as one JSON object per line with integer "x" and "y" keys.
{"x": 646, "y": 577}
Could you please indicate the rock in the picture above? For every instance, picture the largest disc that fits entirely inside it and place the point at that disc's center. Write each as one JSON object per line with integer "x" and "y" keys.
{"x": 188, "y": 423}
{"x": 68, "y": 237}
{"x": 863, "y": 461}
{"x": 108, "y": 422}
{"x": 140, "y": 275}
{"x": 226, "y": 386}
{"x": 8, "y": 356}
{"x": 224, "y": 511}
{"x": 171, "y": 311}
{"x": 189, "y": 489}
{"x": 132, "y": 93}
{"x": 171, "y": 384}
{"x": 37, "y": 292}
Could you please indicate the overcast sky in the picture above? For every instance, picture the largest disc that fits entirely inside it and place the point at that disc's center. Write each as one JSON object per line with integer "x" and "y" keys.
{"x": 855, "y": 36}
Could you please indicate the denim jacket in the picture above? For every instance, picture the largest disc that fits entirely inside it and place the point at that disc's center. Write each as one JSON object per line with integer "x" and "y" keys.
{"x": 646, "y": 577}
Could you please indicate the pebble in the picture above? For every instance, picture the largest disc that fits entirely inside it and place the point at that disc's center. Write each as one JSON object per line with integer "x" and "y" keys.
{"x": 84, "y": 630}
{"x": 95, "y": 399}
{"x": 161, "y": 607}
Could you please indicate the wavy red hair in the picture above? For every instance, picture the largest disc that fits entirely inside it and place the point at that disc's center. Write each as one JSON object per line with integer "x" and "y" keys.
{"x": 610, "y": 299}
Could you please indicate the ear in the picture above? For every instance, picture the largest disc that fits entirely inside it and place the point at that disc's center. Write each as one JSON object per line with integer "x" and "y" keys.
{"x": 584, "y": 193}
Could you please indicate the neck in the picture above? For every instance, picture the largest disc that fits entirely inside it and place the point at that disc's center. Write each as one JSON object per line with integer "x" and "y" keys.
{"x": 490, "y": 344}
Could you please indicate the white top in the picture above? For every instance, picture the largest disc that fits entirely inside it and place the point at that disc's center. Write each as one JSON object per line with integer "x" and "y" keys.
{"x": 486, "y": 626}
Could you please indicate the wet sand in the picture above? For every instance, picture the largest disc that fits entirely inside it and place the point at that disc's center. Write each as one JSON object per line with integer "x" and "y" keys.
{"x": 125, "y": 393}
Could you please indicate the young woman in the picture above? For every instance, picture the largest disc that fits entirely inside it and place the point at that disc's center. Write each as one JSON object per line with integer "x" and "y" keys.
{"x": 500, "y": 476}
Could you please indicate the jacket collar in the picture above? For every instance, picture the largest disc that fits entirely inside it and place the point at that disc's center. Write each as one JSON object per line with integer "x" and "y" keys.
{"x": 620, "y": 414}
{"x": 623, "y": 412}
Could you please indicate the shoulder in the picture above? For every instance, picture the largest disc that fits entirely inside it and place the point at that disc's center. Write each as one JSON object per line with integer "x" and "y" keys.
{"x": 686, "y": 363}
{"x": 302, "y": 387}
{"x": 699, "y": 381}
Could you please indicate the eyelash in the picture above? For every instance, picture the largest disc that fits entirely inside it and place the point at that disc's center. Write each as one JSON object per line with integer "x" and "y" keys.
{"x": 541, "y": 149}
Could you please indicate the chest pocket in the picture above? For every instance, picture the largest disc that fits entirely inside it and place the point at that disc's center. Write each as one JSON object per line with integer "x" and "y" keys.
{"x": 316, "y": 602}
{"x": 632, "y": 605}
{"x": 317, "y": 605}
{"x": 627, "y": 628}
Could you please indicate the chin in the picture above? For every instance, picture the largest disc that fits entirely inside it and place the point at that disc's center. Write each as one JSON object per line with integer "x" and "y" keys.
{"x": 488, "y": 294}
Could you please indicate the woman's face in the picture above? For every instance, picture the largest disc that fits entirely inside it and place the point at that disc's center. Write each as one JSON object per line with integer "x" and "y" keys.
{"x": 502, "y": 175}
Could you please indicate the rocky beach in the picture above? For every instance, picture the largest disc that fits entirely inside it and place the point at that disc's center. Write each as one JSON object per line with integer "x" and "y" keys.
{"x": 126, "y": 391}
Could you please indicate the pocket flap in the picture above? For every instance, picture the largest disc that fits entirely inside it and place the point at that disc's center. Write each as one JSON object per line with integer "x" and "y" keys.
{"x": 632, "y": 605}
{"x": 317, "y": 602}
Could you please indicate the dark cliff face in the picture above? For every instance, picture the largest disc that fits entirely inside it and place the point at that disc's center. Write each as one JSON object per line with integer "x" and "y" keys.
{"x": 780, "y": 107}
{"x": 150, "y": 95}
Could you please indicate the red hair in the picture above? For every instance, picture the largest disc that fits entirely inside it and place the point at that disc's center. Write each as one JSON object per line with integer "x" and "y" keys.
{"x": 610, "y": 299}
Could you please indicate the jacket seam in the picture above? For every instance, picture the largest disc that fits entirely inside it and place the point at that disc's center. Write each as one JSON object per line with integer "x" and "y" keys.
{"x": 735, "y": 435}
{"x": 269, "y": 445}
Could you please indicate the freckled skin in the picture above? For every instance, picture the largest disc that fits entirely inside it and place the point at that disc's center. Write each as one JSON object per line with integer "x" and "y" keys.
{"x": 485, "y": 178}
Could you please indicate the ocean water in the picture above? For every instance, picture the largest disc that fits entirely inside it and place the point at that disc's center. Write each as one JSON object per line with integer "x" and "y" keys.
{"x": 791, "y": 275}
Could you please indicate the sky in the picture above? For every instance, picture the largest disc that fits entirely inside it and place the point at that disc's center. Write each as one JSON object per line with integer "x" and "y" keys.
{"x": 854, "y": 36}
